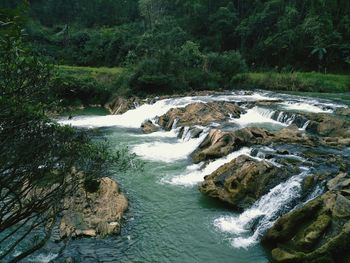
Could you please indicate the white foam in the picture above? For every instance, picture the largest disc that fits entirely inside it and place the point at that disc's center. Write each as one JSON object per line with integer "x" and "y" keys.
{"x": 256, "y": 115}
{"x": 265, "y": 210}
{"x": 168, "y": 152}
{"x": 194, "y": 176}
{"x": 134, "y": 118}
{"x": 44, "y": 258}
{"x": 234, "y": 97}
{"x": 303, "y": 106}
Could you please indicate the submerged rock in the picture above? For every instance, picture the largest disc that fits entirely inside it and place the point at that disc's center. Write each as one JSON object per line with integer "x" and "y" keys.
{"x": 318, "y": 230}
{"x": 94, "y": 213}
{"x": 199, "y": 114}
{"x": 243, "y": 181}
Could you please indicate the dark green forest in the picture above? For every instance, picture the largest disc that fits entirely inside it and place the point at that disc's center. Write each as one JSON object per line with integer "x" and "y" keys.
{"x": 276, "y": 33}
{"x": 191, "y": 44}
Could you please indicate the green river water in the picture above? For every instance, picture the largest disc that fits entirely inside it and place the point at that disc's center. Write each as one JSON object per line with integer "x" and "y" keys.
{"x": 166, "y": 222}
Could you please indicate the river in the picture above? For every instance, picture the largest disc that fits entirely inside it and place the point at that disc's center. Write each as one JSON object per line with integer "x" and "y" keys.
{"x": 169, "y": 220}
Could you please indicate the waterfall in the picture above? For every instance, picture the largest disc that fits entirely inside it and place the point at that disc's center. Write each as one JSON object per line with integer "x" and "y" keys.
{"x": 195, "y": 173}
{"x": 263, "y": 213}
{"x": 307, "y": 107}
{"x": 266, "y": 113}
{"x": 306, "y": 124}
{"x": 186, "y": 136}
{"x": 165, "y": 151}
{"x": 254, "y": 116}
{"x": 174, "y": 126}
{"x": 135, "y": 117}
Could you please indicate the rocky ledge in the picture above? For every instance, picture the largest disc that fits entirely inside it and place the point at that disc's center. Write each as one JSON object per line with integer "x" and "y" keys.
{"x": 244, "y": 180}
{"x": 94, "y": 213}
{"x": 318, "y": 231}
{"x": 200, "y": 114}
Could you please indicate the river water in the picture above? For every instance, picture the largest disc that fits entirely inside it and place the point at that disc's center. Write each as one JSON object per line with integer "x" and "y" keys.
{"x": 169, "y": 220}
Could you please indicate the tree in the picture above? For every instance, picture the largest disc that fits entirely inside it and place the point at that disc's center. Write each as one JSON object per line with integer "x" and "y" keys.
{"x": 152, "y": 10}
{"x": 38, "y": 157}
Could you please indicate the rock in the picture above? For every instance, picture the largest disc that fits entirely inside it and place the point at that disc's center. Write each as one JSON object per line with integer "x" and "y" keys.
{"x": 328, "y": 125}
{"x": 121, "y": 105}
{"x": 343, "y": 111}
{"x": 292, "y": 134}
{"x": 94, "y": 213}
{"x": 69, "y": 260}
{"x": 189, "y": 132}
{"x": 218, "y": 143}
{"x": 318, "y": 230}
{"x": 308, "y": 182}
{"x": 243, "y": 181}
{"x": 199, "y": 114}
{"x": 283, "y": 151}
{"x": 149, "y": 127}
{"x": 336, "y": 141}
{"x": 281, "y": 255}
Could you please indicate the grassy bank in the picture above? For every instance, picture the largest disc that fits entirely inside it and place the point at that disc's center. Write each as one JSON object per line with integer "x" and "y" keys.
{"x": 303, "y": 82}
{"x": 77, "y": 86}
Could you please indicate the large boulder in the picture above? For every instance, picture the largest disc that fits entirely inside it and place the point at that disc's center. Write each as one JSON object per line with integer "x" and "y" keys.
{"x": 328, "y": 125}
{"x": 95, "y": 212}
{"x": 318, "y": 231}
{"x": 219, "y": 143}
{"x": 243, "y": 181}
{"x": 199, "y": 114}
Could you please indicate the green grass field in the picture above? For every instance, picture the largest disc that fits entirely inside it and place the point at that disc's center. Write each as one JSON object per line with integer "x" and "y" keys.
{"x": 90, "y": 70}
{"x": 298, "y": 81}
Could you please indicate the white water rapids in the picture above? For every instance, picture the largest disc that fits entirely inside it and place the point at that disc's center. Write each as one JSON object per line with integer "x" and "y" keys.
{"x": 265, "y": 210}
{"x": 165, "y": 147}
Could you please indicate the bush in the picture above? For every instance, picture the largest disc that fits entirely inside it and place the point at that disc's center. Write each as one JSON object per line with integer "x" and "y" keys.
{"x": 76, "y": 86}
{"x": 148, "y": 78}
{"x": 227, "y": 64}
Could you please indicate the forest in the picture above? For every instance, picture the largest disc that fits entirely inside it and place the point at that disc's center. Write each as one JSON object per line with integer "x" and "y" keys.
{"x": 168, "y": 46}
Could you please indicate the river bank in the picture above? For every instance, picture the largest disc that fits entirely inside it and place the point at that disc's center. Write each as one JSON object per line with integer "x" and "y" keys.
{"x": 86, "y": 86}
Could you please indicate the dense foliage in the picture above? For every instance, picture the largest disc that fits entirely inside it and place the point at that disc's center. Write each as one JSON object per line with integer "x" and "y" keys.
{"x": 38, "y": 157}
{"x": 269, "y": 33}
{"x": 186, "y": 44}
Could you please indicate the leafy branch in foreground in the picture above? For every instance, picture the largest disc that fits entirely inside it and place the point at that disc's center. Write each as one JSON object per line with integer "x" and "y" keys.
{"x": 38, "y": 157}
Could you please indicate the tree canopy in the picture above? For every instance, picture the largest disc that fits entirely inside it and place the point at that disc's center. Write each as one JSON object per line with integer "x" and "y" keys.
{"x": 299, "y": 35}
{"x": 39, "y": 159}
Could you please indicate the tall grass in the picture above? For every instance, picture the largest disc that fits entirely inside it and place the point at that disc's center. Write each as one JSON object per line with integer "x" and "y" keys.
{"x": 298, "y": 81}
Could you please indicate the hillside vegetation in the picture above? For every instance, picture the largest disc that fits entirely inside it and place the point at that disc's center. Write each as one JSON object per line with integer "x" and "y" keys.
{"x": 170, "y": 46}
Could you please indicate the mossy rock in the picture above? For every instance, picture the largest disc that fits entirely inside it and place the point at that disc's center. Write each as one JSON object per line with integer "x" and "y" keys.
{"x": 313, "y": 232}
